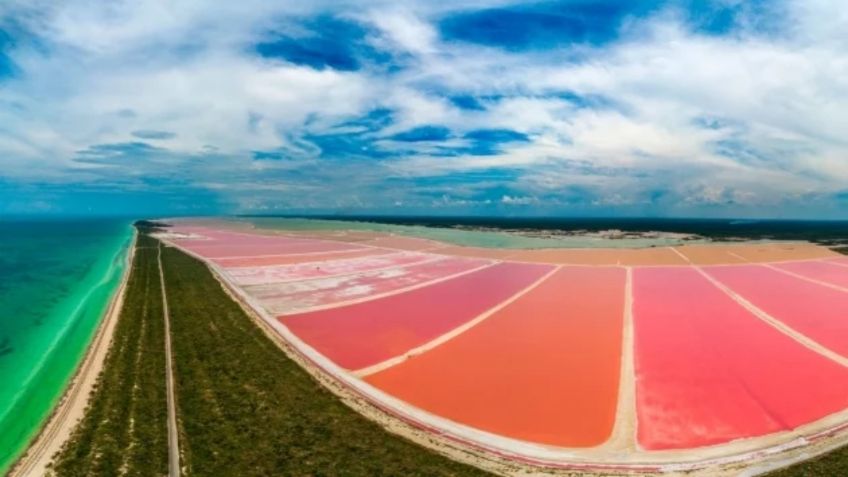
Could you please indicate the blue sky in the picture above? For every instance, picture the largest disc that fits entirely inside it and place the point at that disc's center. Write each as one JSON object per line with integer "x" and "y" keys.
{"x": 574, "y": 107}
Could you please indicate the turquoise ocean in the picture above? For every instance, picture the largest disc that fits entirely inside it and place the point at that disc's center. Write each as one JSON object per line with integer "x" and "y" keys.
{"x": 57, "y": 278}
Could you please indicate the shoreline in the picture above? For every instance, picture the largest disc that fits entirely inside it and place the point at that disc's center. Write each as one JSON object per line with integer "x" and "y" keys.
{"x": 71, "y": 406}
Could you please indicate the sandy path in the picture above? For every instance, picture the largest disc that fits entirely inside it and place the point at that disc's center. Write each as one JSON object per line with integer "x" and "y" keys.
{"x": 173, "y": 439}
{"x": 71, "y": 407}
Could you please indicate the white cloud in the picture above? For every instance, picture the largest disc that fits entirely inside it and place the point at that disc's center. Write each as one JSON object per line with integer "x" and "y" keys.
{"x": 404, "y": 31}
{"x": 776, "y": 104}
{"x": 524, "y": 200}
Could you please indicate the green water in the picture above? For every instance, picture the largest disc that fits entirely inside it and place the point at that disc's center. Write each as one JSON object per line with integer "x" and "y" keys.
{"x": 468, "y": 238}
{"x": 56, "y": 280}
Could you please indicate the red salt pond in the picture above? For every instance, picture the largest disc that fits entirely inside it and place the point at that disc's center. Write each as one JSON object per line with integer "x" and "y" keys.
{"x": 269, "y": 260}
{"x": 544, "y": 369}
{"x": 364, "y": 334}
{"x": 542, "y": 362}
{"x": 824, "y": 271}
{"x": 708, "y": 372}
{"x": 207, "y": 237}
{"x": 405, "y": 243}
{"x": 270, "y": 247}
{"x": 813, "y": 310}
{"x": 284, "y": 298}
{"x": 302, "y": 271}
{"x": 223, "y": 244}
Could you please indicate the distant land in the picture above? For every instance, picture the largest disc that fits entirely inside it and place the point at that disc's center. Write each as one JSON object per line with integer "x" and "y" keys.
{"x": 825, "y": 232}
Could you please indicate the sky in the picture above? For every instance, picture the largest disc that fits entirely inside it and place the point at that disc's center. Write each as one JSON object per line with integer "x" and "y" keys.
{"x": 710, "y": 108}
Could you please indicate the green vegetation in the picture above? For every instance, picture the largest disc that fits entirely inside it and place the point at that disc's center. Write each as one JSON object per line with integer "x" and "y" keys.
{"x": 123, "y": 431}
{"x": 828, "y": 465}
{"x": 247, "y": 409}
{"x": 149, "y": 226}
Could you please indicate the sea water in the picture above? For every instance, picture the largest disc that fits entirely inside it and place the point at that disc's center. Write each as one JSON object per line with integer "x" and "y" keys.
{"x": 57, "y": 278}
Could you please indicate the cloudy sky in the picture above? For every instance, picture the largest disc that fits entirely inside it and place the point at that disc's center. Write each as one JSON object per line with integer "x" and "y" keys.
{"x": 574, "y": 107}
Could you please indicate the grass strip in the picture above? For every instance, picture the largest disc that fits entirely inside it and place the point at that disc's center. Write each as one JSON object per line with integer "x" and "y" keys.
{"x": 828, "y": 465}
{"x": 123, "y": 431}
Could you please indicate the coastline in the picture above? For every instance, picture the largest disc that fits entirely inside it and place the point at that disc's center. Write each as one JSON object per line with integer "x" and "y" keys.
{"x": 71, "y": 406}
